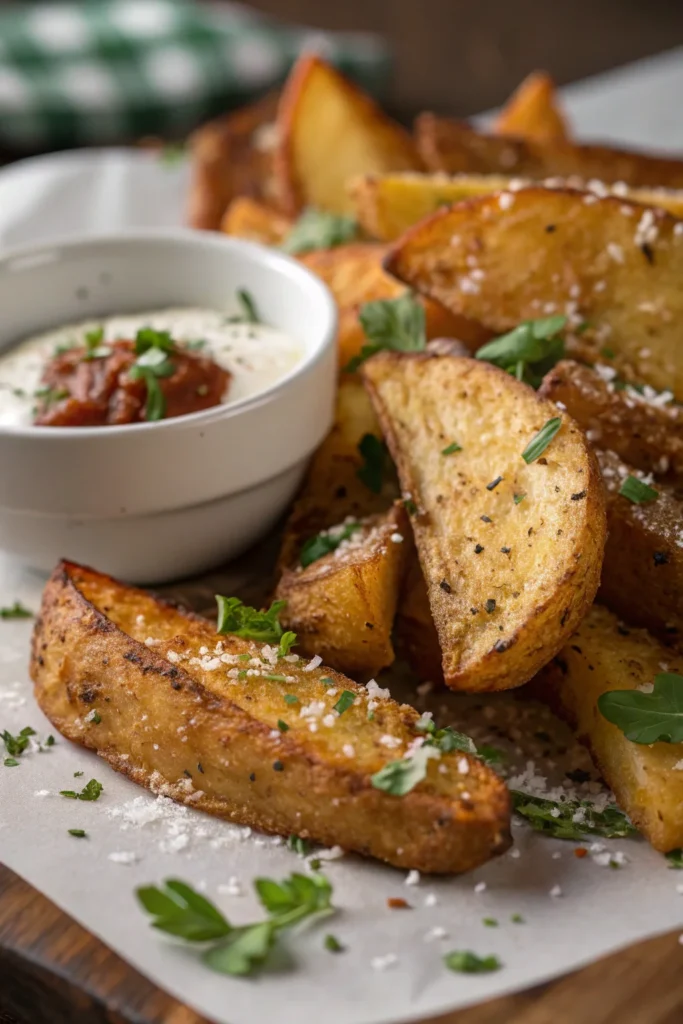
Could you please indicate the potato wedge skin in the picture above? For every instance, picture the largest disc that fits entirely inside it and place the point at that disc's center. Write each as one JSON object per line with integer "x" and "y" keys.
{"x": 606, "y": 262}
{"x": 343, "y": 608}
{"x": 533, "y": 111}
{"x": 602, "y": 655}
{"x": 646, "y": 435}
{"x": 642, "y": 576}
{"x": 457, "y": 148}
{"x": 329, "y": 130}
{"x": 299, "y": 781}
{"x": 256, "y": 221}
{"x": 386, "y": 205}
{"x": 505, "y": 590}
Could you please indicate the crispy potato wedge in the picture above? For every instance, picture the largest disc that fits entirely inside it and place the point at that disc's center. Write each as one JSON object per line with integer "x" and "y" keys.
{"x": 251, "y": 219}
{"x": 606, "y": 262}
{"x": 507, "y": 580}
{"x": 457, "y": 148}
{"x": 533, "y": 111}
{"x": 164, "y": 709}
{"x": 328, "y": 131}
{"x": 342, "y": 606}
{"x": 415, "y": 634}
{"x": 231, "y": 156}
{"x": 602, "y": 655}
{"x": 386, "y": 205}
{"x": 637, "y": 427}
{"x": 642, "y": 576}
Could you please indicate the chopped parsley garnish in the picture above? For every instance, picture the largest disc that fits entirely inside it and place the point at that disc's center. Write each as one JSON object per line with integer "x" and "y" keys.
{"x": 490, "y": 754}
{"x": 675, "y": 859}
{"x": 637, "y": 491}
{"x": 94, "y": 349}
{"x": 529, "y": 350}
{"x": 345, "y": 701}
{"x": 410, "y": 506}
{"x": 15, "y": 611}
{"x": 180, "y": 910}
{"x": 90, "y": 792}
{"x": 95, "y": 717}
{"x": 451, "y": 449}
{"x": 397, "y": 324}
{"x": 16, "y": 745}
{"x": 274, "y": 677}
{"x": 327, "y": 681}
{"x": 538, "y": 444}
{"x": 447, "y": 740}
{"x": 241, "y": 620}
{"x": 11, "y": 762}
{"x": 282, "y": 726}
{"x": 332, "y": 944}
{"x": 466, "y": 962}
{"x": 571, "y": 819}
{"x": 519, "y": 498}
{"x": 489, "y": 922}
{"x": 299, "y": 845}
{"x": 290, "y": 698}
{"x": 517, "y": 919}
{"x": 287, "y": 641}
{"x": 50, "y": 396}
{"x": 50, "y": 741}
{"x": 248, "y": 313}
{"x": 318, "y": 229}
{"x": 78, "y": 833}
{"x": 148, "y": 338}
{"x": 400, "y": 777}
{"x": 647, "y": 717}
{"x": 324, "y": 543}
{"x": 375, "y": 455}
{"x": 151, "y": 366}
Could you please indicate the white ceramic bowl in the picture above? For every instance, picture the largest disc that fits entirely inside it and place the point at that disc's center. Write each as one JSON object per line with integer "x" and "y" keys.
{"x": 150, "y": 502}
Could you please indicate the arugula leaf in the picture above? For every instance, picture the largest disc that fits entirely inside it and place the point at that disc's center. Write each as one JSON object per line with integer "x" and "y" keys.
{"x": 647, "y": 717}
{"x": 466, "y": 962}
{"x": 557, "y": 819}
{"x": 538, "y": 444}
{"x": 91, "y": 792}
{"x": 397, "y": 324}
{"x": 243, "y": 951}
{"x": 637, "y": 491}
{"x": 375, "y": 455}
{"x": 16, "y": 745}
{"x": 15, "y": 611}
{"x": 400, "y": 777}
{"x": 248, "y": 313}
{"x": 675, "y": 859}
{"x": 325, "y": 542}
{"x": 319, "y": 229}
{"x": 241, "y": 620}
{"x": 529, "y": 350}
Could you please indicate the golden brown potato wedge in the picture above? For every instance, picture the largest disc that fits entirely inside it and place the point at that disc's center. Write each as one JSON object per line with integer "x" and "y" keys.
{"x": 508, "y": 577}
{"x": 603, "y": 655}
{"x": 457, "y": 148}
{"x": 608, "y": 263}
{"x": 414, "y": 631}
{"x": 232, "y": 156}
{"x": 533, "y": 111}
{"x": 642, "y": 577}
{"x": 251, "y": 219}
{"x": 342, "y": 606}
{"x": 637, "y": 426}
{"x": 164, "y": 708}
{"x": 328, "y": 131}
{"x": 386, "y": 205}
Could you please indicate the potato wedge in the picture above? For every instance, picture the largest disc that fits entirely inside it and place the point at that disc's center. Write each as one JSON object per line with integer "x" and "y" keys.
{"x": 642, "y": 576}
{"x": 603, "y": 655}
{"x": 606, "y": 262}
{"x": 415, "y": 634}
{"x": 248, "y": 218}
{"x": 328, "y": 131}
{"x": 342, "y": 606}
{"x": 231, "y": 156}
{"x": 163, "y": 709}
{"x": 533, "y": 111}
{"x": 386, "y": 205}
{"x": 640, "y": 429}
{"x": 508, "y": 578}
{"x": 456, "y": 148}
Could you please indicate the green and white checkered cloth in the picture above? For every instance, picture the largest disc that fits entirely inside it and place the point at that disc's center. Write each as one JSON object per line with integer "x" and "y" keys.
{"x": 105, "y": 71}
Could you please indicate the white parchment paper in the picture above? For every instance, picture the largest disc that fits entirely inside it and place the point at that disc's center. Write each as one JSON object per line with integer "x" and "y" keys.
{"x": 574, "y": 909}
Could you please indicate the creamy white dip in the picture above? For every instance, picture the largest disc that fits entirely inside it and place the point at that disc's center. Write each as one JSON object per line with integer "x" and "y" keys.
{"x": 256, "y": 355}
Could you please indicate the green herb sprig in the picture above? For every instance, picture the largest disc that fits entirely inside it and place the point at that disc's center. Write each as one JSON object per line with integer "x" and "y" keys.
{"x": 152, "y": 366}
{"x": 248, "y": 313}
{"x": 556, "y": 819}
{"x": 91, "y": 791}
{"x": 538, "y": 444}
{"x": 241, "y": 620}
{"x": 397, "y": 324}
{"x": 16, "y": 745}
{"x": 15, "y": 611}
{"x": 319, "y": 229}
{"x": 528, "y": 351}
{"x": 637, "y": 491}
{"x": 647, "y": 717}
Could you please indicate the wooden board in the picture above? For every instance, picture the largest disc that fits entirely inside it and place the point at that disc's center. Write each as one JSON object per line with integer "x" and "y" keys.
{"x": 54, "y": 972}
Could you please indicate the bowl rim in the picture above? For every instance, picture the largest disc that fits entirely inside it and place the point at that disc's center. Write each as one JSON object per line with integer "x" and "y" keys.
{"x": 190, "y": 237}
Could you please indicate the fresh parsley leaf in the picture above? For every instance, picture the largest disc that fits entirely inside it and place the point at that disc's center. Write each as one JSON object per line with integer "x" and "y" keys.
{"x": 287, "y": 641}
{"x": 148, "y": 338}
{"x": 51, "y": 395}
{"x": 299, "y": 845}
{"x": 647, "y": 717}
{"x": 538, "y": 444}
{"x": 375, "y": 455}
{"x": 180, "y": 911}
{"x": 571, "y": 819}
{"x": 290, "y": 698}
{"x": 675, "y": 859}
{"x": 94, "y": 349}
{"x": 92, "y": 791}
{"x": 466, "y": 962}
{"x": 637, "y": 491}
{"x": 241, "y": 620}
{"x": 152, "y": 365}
{"x": 345, "y": 701}
{"x": 529, "y": 350}
{"x": 318, "y": 229}
{"x": 248, "y": 313}
{"x": 397, "y": 324}
{"x": 78, "y": 833}
{"x": 489, "y": 922}
{"x": 243, "y": 951}
{"x": 295, "y": 898}
{"x": 15, "y": 611}
{"x": 519, "y": 498}
{"x": 517, "y": 919}
{"x": 324, "y": 543}
{"x": 400, "y": 777}
{"x": 16, "y": 745}
{"x": 332, "y": 944}
{"x": 282, "y": 726}
{"x": 490, "y": 754}
{"x": 11, "y": 762}
{"x": 451, "y": 449}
